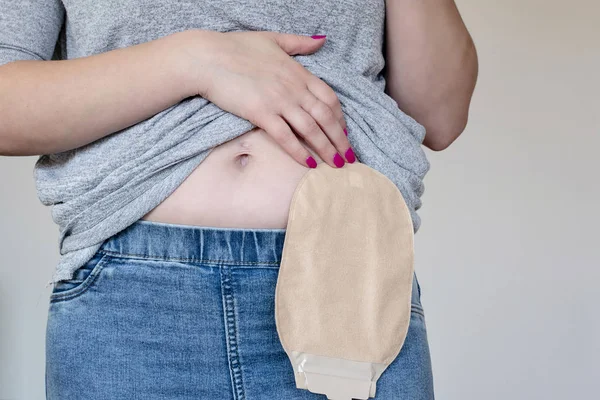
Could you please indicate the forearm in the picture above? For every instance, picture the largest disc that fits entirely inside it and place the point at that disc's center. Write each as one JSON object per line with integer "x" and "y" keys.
{"x": 52, "y": 106}
{"x": 431, "y": 66}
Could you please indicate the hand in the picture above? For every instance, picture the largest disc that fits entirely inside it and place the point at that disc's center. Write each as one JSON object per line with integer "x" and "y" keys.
{"x": 252, "y": 75}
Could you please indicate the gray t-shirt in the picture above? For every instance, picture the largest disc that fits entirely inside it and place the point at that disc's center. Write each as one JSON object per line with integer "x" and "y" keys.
{"x": 101, "y": 188}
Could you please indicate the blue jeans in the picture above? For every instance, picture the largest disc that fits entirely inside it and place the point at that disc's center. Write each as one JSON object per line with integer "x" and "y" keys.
{"x": 166, "y": 311}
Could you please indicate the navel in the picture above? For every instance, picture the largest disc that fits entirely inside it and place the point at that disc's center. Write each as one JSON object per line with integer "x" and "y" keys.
{"x": 242, "y": 159}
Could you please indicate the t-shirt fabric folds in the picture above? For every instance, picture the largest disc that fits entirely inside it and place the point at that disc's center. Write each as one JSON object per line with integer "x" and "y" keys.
{"x": 99, "y": 189}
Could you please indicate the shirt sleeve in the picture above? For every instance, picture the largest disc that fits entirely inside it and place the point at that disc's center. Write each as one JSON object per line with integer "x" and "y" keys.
{"x": 29, "y": 29}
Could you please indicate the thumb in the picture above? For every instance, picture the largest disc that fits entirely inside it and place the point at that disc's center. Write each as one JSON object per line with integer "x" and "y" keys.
{"x": 298, "y": 44}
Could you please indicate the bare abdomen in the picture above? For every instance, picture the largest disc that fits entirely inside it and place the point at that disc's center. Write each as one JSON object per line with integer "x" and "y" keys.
{"x": 247, "y": 182}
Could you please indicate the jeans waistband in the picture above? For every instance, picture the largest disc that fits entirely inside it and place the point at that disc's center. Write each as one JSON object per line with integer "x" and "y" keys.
{"x": 191, "y": 243}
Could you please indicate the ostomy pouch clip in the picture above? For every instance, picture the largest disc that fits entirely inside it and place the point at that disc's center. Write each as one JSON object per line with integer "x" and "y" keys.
{"x": 343, "y": 294}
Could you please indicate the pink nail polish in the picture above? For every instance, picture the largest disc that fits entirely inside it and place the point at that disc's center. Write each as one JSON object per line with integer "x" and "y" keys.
{"x": 350, "y": 155}
{"x": 345, "y": 131}
{"x": 318, "y": 36}
{"x": 338, "y": 160}
{"x": 311, "y": 162}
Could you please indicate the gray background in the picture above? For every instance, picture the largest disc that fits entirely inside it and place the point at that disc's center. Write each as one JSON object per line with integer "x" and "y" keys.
{"x": 507, "y": 255}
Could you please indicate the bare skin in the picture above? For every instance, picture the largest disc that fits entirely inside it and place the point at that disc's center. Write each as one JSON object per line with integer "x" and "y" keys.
{"x": 431, "y": 66}
{"x": 247, "y": 182}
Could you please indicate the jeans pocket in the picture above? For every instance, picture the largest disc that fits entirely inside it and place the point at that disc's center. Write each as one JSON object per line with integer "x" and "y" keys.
{"x": 83, "y": 278}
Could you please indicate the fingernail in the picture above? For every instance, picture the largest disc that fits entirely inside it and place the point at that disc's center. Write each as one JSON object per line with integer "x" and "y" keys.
{"x": 345, "y": 131}
{"x": 350, "y": 155}
{"x": 318, "y": 36}
{"x": 338, "y": 160}
{"x": 311, "y": 162}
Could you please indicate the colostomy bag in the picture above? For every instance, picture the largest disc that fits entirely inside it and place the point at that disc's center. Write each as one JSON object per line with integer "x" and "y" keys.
{"x": 343, "y": 294}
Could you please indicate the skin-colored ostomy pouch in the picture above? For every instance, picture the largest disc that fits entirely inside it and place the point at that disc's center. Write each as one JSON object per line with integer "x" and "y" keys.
{"x": 343, "y": 294}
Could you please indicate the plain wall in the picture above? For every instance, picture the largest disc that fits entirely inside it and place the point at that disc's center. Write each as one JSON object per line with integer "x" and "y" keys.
{"x": 507, "y": 255}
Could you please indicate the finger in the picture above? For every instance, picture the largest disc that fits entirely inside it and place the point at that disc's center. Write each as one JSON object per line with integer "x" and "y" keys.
{"x": 280, "y": 131}
{"x": 326, "y": 94}
{"x": 329, "y": 123}
{"x": 296, "y": 44}
{"x": 306, "y": 126}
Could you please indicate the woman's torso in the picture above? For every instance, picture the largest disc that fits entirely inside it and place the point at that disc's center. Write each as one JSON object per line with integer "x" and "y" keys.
{"x": 101, "y": 188}
{"x": 246, "y": 182}
{"x": 249, "y": 181}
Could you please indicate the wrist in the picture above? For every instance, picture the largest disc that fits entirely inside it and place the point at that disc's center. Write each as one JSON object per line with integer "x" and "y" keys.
{"x": 188, "y": 60}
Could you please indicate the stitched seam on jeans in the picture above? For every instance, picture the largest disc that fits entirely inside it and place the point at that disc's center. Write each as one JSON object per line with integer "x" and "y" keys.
{"x": 231, "y": 335}
{"x": 417, "y": 309}
{"x": 189, "y": 260}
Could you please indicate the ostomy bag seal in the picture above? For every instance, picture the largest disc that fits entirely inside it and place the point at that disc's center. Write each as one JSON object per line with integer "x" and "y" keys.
{"x": 343, "y": 294}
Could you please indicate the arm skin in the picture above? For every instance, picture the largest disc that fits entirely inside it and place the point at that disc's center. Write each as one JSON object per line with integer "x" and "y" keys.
{"x": 431, "y": 66}
{"x": 50, "y": 106}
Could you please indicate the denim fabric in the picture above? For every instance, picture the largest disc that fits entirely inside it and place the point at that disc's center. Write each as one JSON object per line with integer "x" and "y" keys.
{"x": 166, "y": 311}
